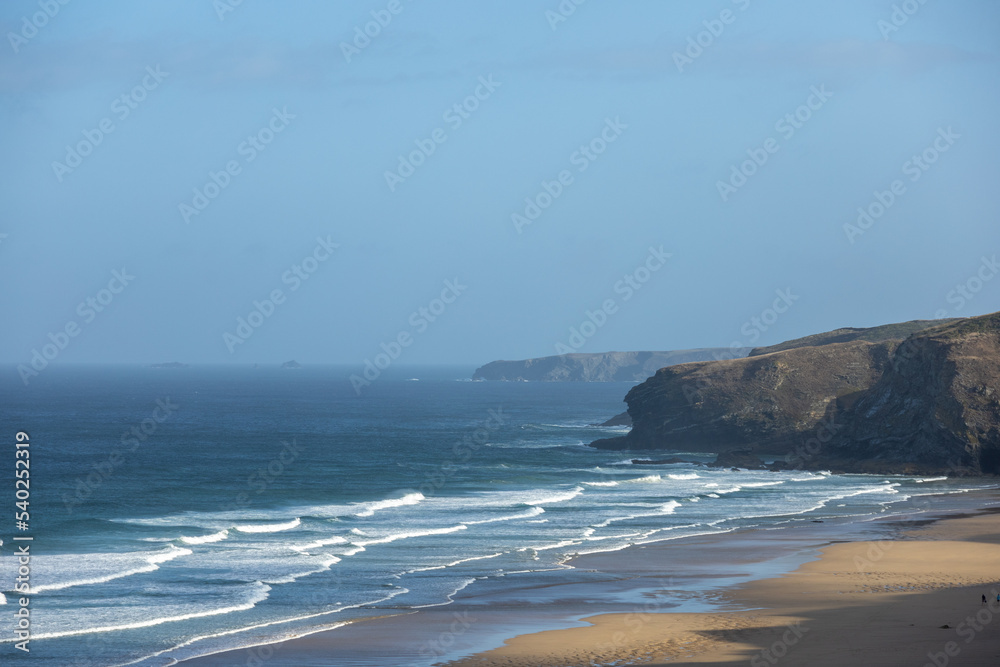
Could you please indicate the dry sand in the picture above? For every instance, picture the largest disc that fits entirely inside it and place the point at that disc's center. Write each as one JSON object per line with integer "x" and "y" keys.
{"x": 914, "y": 601}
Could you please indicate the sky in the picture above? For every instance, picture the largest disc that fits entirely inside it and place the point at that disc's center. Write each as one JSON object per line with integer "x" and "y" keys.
{"x": 444, "y": 182}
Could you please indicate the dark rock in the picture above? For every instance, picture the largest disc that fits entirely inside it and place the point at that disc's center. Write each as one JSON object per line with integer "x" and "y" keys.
{"x": 618, "y": 420}
{"x": 659, "y": 462}
{"x": 738, "y": 458}
{"x": 926, "y": 405}
{"x": 291, "y": 364}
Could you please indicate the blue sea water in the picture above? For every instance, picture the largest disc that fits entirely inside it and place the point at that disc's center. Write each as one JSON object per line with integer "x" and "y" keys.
{"x": 181, "y": 512}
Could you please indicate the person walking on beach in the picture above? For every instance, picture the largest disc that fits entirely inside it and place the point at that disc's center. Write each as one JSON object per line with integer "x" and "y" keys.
{"x": 984, "y": 599}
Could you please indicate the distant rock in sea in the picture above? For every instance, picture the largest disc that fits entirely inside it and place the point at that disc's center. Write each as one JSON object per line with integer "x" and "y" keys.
{"x": 291, "y": 364}
{"x": 169, "y": 364}
{"x": 600, "y": 366}
{"x": 854, "y": 400}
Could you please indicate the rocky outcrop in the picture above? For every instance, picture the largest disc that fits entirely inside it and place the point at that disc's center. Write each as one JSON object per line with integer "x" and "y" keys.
{"x": 936, "y": 408}
{"x": 766, "y": 403}
{"x": 598, "y": 367}
{"x": 928, "y": 404}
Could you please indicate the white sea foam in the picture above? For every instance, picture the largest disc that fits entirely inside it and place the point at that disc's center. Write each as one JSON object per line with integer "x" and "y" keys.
{"x": 259, "y": 595}
{"x": 249, "y": 628}
{"x": 324, "y": 565}
{"x": 686, "y": 475}
{"x": 533, "y": 512}
{"x": 453, "y": 563}
{"x": 669, "y": 507}
{"x": 554, "y": 498}
{"x": 318, "y": 544}
{"x": 408, "y": 499}
{"x": 206, "y": 539}
{"x": 755, "y": 485}
{"x": 930, "y": 479}
{"x": 648, "y": 479}
{"x": 417, "y": 533}
{"x": 270, "y": 527}
{"x": 153, "y": 562}
{"x": 601, "y": 483}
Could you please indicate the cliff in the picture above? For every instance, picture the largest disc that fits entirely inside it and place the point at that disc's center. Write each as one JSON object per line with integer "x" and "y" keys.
{"x": 928, "y": 404}
{"x": 599, "y": 367}
{"x": 936, "y": 408}
{"x": 765, "y": 403}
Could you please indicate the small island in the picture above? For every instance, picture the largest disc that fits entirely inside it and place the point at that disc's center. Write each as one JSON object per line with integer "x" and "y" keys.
{"x": 291, "y": 364}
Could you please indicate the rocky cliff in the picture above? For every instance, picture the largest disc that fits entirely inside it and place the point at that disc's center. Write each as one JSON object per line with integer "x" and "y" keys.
{"x": 766, "y": 402}
{"x": 599, "y": 367}
{"x": 928, "y": 404}
{"x": 936, "y": 408}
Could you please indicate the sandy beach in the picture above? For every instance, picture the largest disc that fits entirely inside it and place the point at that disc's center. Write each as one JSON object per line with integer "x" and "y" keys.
{"x": 910, "y": 601}
{"x": 903, "y": 589}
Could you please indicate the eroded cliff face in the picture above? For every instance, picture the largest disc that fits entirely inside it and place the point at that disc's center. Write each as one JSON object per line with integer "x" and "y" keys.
{"x": 767, "y": 403}
{"x": 936, "y": 408}
{"x": 929, "y": 404}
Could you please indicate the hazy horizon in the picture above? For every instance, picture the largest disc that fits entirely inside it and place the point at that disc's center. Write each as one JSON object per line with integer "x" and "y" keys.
{"x": 475, "y": 183}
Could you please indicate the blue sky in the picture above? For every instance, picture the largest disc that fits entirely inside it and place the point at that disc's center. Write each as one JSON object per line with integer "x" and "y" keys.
{"x": 332, "y": 121}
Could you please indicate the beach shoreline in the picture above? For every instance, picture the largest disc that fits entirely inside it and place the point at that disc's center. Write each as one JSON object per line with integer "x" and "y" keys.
{"x": 617, "y": 602}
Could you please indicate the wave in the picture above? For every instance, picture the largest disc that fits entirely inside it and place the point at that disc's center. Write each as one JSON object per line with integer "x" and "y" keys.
{"x": 648, "y": 479}
{"x": 296, "y": 634}
{"x": 269, "y": 527}
{"x": 419, "y": 533}
{"x": 533, "y": 512}
{"x": 153, "y": 563}
{"x": 930, "y": 479}
{"x": 3, "y": 599}
{"x": 600, "y": 483}
{"x": 408, "y": 499}
{"x": 555, "y": 498}
{"x": 687, "y": 475}
{"x": 549, "y": 547}
{"x": 453, "y": 563}
{"x": 324, "y": 565}
{"x": 756, "y": 485}
{"x": 206, "y": 539}
{"x": 336, "y": 539}
{"x": 259, "y": 596}
{"x": 668, "y": 507}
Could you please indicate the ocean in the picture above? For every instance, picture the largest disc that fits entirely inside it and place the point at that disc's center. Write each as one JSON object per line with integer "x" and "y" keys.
{"x": 182, "y": 512}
